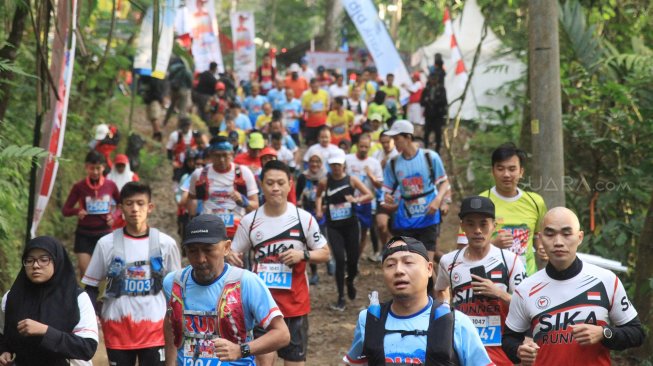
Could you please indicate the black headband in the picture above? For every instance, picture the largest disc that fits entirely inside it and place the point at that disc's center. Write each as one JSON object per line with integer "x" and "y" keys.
{"x": 412, "y": 245}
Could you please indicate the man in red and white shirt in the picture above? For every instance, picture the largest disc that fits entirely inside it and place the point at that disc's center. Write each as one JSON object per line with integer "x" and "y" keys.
{"x": 285, "y": 238}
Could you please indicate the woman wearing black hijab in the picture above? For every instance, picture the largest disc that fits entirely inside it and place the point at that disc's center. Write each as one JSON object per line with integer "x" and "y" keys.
{"x": 46, "y": 319}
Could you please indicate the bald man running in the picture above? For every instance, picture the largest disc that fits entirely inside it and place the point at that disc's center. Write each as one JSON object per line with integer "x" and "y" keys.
{"x": 577, "y": 312}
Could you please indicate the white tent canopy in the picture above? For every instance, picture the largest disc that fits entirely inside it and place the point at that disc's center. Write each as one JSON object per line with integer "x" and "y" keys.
{"x": 492, "y": 70}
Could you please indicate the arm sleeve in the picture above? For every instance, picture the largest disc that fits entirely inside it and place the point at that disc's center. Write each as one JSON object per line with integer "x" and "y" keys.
{"x": 518, "y": 318}
{"x": 624, "y": 336}
{"x": 241, "y": 242}
{"x": 622, "y": 310}
{"x": 82, "y": 342}
{"x": 355, "y": 354}
{"x": 510, "y": 342}
{"x": 314, "y": 237}
{"x": 69, "y": 208}
{"x": 93, "y": 293}
{"x": 438, "y": 166}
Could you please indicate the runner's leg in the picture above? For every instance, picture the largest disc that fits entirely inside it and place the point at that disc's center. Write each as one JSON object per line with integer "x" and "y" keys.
{"x": 337, "y": 242}
{"x": 118, "y": 357}
{"x": 351, "y": 236}
{"x": 152, "y": 356}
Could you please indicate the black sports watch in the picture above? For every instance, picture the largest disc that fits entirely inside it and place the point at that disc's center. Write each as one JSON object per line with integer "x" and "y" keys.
{"x": 307, "y": 255}
{"x": 244, "y": 350}
{"x": 607, "y": 332}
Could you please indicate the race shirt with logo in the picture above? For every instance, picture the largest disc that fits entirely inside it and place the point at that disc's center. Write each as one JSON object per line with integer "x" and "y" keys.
{"x": 550, "y": 308}
{"x": 411, "y": 349}
{"x": 277, "y": 98}
{"x": 220, "y": 187}
{"x": 254, "y": 106}
{"x": 340, "y": 125}
{"x": 318, "y": 105}
{"x": 413, "y": 177}
{"x": 356, "y": 167}
{"x": 487, "y": 314}
{"x": 258, "y": 305}
{"x": 291, "y": 111}
{"x": 271, "y": 236}
{"x": 522, "y": 216}
{"x": 132, "y": 322}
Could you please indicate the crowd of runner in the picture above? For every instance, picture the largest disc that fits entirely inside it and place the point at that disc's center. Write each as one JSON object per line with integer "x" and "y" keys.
{"x": 293, "y": 171}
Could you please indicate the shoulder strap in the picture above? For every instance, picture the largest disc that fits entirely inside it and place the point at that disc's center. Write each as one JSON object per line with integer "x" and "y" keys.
{"x": 429, "y": 162}
{"x": 537, "y": 207}
{"x": 154, "y": 243}
{"x": 251, "y": 225}
{"x": 505, "y": 265}
{"x": 235, "y": 274}
{"x": 119, "y": 244}
{"x": 301, "y": 227}
{"x": 393, "y": 163}
{"x": 373, "y": 348}
{"x": 455, "y": 258}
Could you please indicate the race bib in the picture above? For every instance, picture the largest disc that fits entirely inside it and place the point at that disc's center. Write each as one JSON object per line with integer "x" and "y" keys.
{"x": 340, "y": 211}
{"x": 275, "y": 275}
{"x": 266, "y": 85}
{"x": 339, "y": 130}
{"x": 317, "y": 107}
{"x": 227, "y": 217}
{"x": 417, "y": 207}
{"x": 256, "y": 109}
{"x": 199, "y": 352}
{"x": 137, "y": 281}
{"x": 98, "y": 206}
{"x": 489, "y": 329}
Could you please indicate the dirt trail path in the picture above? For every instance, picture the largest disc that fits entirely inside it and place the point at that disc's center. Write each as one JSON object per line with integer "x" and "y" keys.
{"x": 331, "y": 332}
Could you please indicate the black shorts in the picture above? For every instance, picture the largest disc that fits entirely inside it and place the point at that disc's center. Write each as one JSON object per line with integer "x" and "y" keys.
{"x": 311, "y": 134}
{"x": 295, "y": 351}
{"x": 85, "y": 243}
{"x": 153, "y": 356}
{"x": 427, "y": 235}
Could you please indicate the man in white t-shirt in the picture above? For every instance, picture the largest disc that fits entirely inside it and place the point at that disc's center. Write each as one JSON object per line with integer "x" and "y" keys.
{"x": 339, "y": 88}
{"x": 369, "y": 171}
{"x": 134, "y": 261}
{"x": 180, "y": 143}
{"x": 285, "y": 238}
{"x": 324, "y": 147}
{"x": 387, "y": 150}
{"x": 227, "y": 190}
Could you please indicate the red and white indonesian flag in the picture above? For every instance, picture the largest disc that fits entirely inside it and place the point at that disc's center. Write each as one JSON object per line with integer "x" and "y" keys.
{"x": 495, "y": 275}
{"x": 593, "y": 296}
{"x": 54, "y": 123}
{"x": 456, "y": 56}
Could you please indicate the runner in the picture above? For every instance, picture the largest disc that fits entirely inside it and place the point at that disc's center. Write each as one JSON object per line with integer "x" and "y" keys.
{"x": 181, "y": 143}
{"x": 415, "y": 111}
{"x": 365, "y": 87}
{"x": 97, "y": 198}
{"x": 519, "y": 213}
{"x": 251, "y": 158}
{"x": 324, "y": 147}
{"x": 434, "y": 101}
{"x": 422, "y": 182}
{"x": 367, "y": 170}
{"x": 266, "y": 74}
{"x": 342, "y": 225}
{"x": 121, "y": 173}
{"x": 482, "y": 276}
{"x": 285, "y": 238}
{"x": 306, "y": 71}
{"x": 263, "y": 119}
{"x": 377, "y": 106}
{"x": 204, "y": 91}
{"x": 231, "y": 127}
{"x": 241, "y": 120}
{"x": 340, "y": 120}
{"x": 307, "y": 183}
{"x": 218, "y": 107}
{"x": 283, "y": 154}
{"x": 413, "y": 328}
{"x": 277, "y": 96}
{"x": 339, "y": 88}
{"x": 577, "y": 312}
{"x": 391, "y": 96}
{"x": 315, "y": 103}
{"x": 292, "y": 110}
{"x": 254, "y": 103}
{"x": 213, "y": 306}
{"x": 296, "y": 82}
{"x": 359, "y": 107}
{"x": 134, "y": 261}
{"x": 383, "y": 211}
{"x": 181, "y": 81}
{"x": 227, "y": 190}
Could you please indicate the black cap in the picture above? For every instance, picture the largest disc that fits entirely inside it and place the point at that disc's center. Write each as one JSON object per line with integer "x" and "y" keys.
{"x": 205, "y": 229}
{"x": 412, "y": 245}
{"x": 476, "y": 205}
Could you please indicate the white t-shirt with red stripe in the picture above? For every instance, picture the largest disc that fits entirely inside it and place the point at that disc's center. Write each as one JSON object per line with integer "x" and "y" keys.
{"x": 488, "y": 315}
{"x": 551, "y": 308}
{"x": 132, "y": 322}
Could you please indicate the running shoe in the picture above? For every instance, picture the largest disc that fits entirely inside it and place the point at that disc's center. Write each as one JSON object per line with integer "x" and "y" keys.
{"x": 339, "y": 305}
{"x": 375, "y": 257}
{"x": 314, "y": 279}
{"x": 331, "y": 267}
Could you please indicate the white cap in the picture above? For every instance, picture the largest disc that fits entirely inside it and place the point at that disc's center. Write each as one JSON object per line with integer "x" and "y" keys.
{"x": 400, "y": 126}
{"x": 294, "y": 68}
{"x": 338, "y": 157}
{"x": 101, "y": 132}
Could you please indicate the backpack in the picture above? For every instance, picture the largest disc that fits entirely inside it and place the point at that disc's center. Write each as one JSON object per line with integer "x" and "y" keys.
{"x": 202, "y": 184}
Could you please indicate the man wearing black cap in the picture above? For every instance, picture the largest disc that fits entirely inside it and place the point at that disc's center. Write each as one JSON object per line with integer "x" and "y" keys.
{"x": 213, "y": 307}
{"x": 412, "y": 327}
{"x": 481, "y": 275}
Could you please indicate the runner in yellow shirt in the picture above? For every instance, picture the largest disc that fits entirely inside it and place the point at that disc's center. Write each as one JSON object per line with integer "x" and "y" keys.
{"x": 340, "y": 120}
{"x": 265, "y": 118}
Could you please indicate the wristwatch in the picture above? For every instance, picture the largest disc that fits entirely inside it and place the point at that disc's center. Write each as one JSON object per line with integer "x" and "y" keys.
{"x": 244, "y": 350}
{"x": 607, "y": 332}
{"x": 307, "y": 255}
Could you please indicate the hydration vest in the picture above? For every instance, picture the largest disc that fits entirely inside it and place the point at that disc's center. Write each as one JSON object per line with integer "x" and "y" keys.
{"x": 229, "y": 315}
{"x": 202, "y": 184}
{"x": 429, "y": 162}
{"x": 130, "y": 278}
{"x": 180, "y": 149}
{"x": 439, "y": 335}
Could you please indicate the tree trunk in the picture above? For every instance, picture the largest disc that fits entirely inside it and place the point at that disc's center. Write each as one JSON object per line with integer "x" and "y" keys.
{"x": 9, "y": 53}
{"x": 332, "y": 22}
{"x": 642, "y": 276}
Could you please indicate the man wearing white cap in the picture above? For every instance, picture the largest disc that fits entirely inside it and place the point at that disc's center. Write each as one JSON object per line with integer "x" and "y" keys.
{"x": 422, "y": 182}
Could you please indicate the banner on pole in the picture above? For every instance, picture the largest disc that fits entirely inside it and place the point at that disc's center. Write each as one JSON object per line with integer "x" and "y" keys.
{"x": 242, "y": 33}
{"x": 204, "y": 31}
{"x": 54, "y": 123}
{"x": 378, "y": 41}
{"x": 143, "y": 59}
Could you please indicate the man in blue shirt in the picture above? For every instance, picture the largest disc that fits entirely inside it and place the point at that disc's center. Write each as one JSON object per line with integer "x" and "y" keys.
{"x": 413, "y": 326}
{"x": 213, "y": 307}
{"x": 292, "y": 110}
{"x": 420, "y": 177}
{"x": 277, "y": 96}
{"x": 254, "y": 103}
